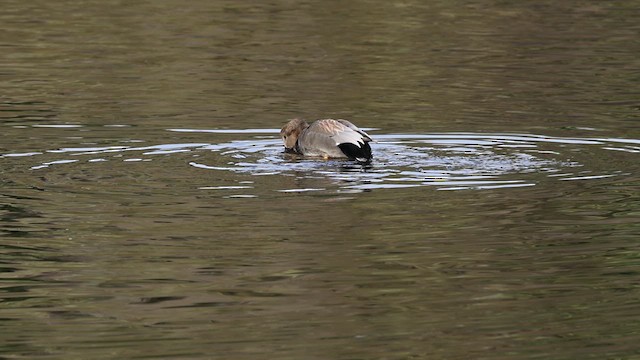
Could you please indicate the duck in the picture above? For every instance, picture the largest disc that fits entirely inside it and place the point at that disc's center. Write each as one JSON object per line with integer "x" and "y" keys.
{"x": 326, "y": 138}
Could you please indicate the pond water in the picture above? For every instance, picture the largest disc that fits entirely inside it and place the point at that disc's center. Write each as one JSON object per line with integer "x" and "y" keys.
{"x": 147, "y": 209}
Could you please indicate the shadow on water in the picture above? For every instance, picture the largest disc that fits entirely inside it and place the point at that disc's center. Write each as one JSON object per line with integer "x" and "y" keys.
{"x": 449, "y": 161}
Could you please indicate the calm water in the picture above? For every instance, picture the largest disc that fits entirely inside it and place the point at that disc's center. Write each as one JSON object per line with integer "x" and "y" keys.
{"x": 147, "y": 209}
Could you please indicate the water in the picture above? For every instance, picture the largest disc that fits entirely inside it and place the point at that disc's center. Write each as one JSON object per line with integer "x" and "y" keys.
{"x": 147, "y": 209}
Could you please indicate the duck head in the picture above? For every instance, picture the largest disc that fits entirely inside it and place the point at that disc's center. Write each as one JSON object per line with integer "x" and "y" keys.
{"x": 290, "y": 133}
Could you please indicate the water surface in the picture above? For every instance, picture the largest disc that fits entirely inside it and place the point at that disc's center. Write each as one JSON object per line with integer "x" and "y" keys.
{"x": 147, "y": 209}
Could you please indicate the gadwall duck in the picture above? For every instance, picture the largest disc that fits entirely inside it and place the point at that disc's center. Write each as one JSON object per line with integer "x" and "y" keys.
{"x": 327, "y": 138}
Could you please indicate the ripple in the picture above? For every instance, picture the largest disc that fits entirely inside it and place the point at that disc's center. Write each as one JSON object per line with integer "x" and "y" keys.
{"x": 447, "y": 161}
{"x": 47, "y": 164}
{"x": 458, "y": 161}
{"x": 56, "y": 126}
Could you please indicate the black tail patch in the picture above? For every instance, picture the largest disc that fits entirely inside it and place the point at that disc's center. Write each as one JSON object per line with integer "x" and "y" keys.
{"x": 354, "y": 152}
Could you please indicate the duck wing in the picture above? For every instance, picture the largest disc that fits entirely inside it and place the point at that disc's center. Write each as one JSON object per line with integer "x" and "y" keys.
{"x": 351, "y": 126}
{"x": 336, "y": 138}
{"x": 341, "y": 131}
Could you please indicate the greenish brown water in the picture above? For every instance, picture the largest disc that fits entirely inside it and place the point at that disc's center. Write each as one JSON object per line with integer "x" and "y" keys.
{"x": 147, "y": 209}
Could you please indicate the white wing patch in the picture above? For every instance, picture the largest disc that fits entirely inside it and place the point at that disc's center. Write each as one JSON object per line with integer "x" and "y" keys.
{"x": 348, "y": 136}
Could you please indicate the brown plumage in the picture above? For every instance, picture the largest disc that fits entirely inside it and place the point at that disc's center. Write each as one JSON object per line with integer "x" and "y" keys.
{"x": 327, "y": 138}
